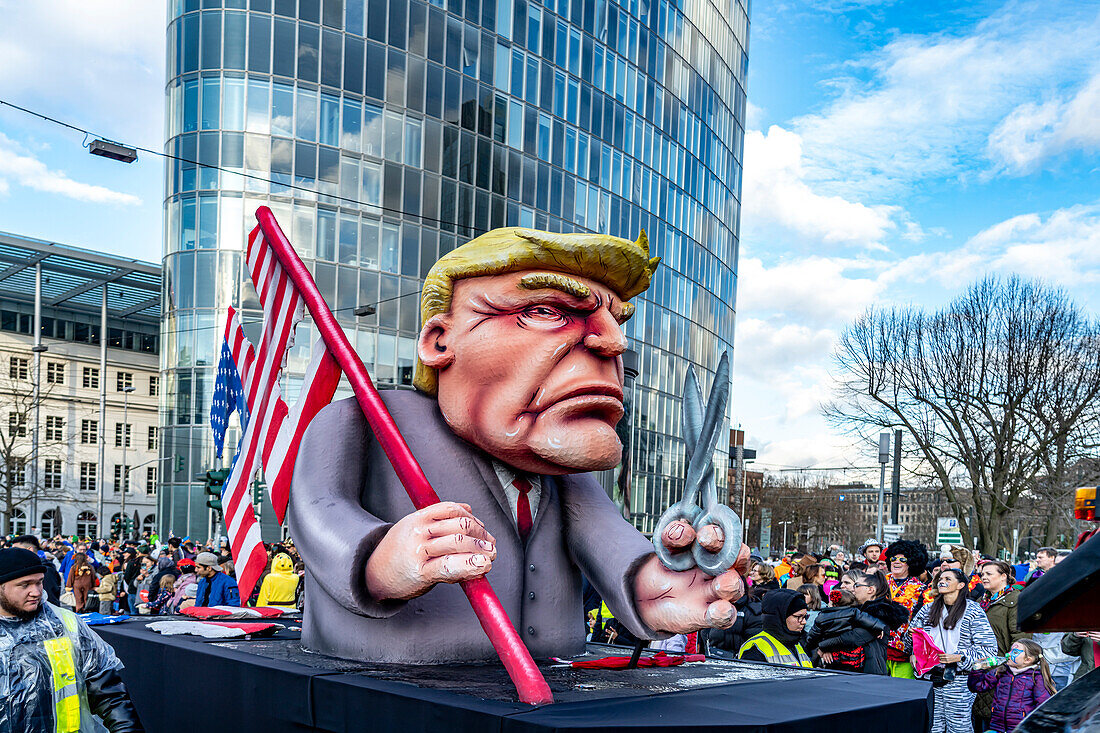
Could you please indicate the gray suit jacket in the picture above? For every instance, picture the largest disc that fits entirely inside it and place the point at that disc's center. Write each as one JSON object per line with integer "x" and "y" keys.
{"x": 345, "y": 496}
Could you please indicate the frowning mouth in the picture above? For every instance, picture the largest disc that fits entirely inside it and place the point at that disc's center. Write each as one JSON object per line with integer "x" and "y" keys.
{"x": 604, "y": 397}
{"x": 602, "y": 389}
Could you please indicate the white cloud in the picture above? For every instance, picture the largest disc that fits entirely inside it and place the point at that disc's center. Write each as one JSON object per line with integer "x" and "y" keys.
{"x": 754, "y": 115}
{"x": 99, "y": 64}
{"x": 775, "y": 191}
{"x": 924, "y": 106}
{"x": 26, "y": 170}
{"x": 1033, "y": 132}
{"x": 767, "y": 348}
{"x": 812, "y": 290}
{"x": 1062, "y": 247}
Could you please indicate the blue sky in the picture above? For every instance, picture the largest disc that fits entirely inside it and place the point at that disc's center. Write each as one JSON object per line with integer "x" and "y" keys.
{"x": 896, "y": 151}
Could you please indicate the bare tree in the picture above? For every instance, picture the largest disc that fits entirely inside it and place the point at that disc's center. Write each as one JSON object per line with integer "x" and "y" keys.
{"x": 16, "y": 446}
{"x": 999, "y": 391}
{"x": 818, "y": 518}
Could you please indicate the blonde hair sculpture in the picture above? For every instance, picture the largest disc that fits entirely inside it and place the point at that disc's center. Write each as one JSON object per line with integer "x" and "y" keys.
{"x": 620, "y": 264}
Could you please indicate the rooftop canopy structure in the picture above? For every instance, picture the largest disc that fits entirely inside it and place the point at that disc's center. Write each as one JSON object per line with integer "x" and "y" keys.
{"x": 73, "y": 279}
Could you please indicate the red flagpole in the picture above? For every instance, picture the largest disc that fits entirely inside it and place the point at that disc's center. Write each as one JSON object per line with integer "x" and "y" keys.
{"x": 529, "y": 682}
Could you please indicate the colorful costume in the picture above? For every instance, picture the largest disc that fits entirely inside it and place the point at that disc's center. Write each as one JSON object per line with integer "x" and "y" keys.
{"x": 910, "y": 594}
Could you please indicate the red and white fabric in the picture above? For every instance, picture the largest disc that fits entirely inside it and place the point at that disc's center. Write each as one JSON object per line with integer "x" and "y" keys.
{"x": 274, "y": 431}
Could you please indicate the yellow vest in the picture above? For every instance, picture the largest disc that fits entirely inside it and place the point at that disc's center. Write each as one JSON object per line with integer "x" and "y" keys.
{"x": 775, "y": 651}
{"x": 61, "y": 652}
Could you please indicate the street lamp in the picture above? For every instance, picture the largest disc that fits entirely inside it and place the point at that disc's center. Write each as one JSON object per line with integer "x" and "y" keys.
{"x": 883, "y": 459}
{"x": 784, "y": 549}
{"x": 38, "y": 349}
{"x": 124, "y": 474}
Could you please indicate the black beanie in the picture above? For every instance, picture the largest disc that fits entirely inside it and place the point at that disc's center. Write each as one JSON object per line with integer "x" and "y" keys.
{"x": 16, "y": 562}
{"x": 783, "y": 602}
{"x": 777, "y": 606}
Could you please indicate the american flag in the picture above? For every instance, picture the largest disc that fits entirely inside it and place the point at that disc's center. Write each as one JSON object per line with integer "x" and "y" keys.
{"x": 272, "y": 431}
{"x": 228, "y": 397}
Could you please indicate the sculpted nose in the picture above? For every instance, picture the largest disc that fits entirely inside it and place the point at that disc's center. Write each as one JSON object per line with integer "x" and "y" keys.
{"x": 605, "y": 336}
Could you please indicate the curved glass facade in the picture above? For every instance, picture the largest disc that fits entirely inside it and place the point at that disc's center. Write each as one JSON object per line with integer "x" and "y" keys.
{"x": 383, "y": 133}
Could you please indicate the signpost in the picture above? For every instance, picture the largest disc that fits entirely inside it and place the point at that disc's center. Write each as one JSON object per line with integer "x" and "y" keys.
{"x": 765, "y": 532}
{"x": 948, "y": 532}
{"x": 892, "y": 532}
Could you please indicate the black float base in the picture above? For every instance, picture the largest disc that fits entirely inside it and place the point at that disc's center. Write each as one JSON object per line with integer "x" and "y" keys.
{"x": 272, "y": 686}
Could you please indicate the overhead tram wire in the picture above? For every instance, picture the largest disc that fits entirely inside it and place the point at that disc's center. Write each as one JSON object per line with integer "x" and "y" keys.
{"x": 333, "y": 310}
{"x": 292, "y": 186}
{"x": 367, "y": 207}
{"x": 90, "y": 133}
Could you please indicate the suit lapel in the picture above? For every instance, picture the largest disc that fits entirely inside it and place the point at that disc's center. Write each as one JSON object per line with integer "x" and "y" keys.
{"x": 549, "y": 485}
{"x": 489, "y": 477}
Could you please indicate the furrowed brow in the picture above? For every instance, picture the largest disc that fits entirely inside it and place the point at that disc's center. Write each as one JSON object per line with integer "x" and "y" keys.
{"x": 555, "y": 281}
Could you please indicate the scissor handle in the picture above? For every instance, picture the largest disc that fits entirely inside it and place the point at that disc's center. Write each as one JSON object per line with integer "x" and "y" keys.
{"x": 716, "y": 563}
{"x": 679, "y": 561}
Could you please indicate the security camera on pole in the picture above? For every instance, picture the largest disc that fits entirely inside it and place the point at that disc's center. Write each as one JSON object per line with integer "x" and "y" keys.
{"x": 883, "y": 459}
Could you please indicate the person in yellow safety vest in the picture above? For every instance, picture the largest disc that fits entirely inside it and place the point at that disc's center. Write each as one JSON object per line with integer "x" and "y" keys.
{"x": 785, "y": 614}
{"x": 280, "y": 585}
{"x": 55, "y": 672}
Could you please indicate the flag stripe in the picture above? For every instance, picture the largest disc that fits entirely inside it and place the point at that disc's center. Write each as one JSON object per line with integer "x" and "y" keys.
{"x": 273, "y": 431}
{"x": 322, "y": 378}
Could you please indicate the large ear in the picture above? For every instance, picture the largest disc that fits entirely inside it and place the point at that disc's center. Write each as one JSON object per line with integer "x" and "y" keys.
{"x": 432, "y": 346}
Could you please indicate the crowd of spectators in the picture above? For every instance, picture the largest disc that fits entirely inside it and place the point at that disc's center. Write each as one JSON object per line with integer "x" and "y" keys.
{"x": 860, "y": 614}
{"x": 148, "y": 577}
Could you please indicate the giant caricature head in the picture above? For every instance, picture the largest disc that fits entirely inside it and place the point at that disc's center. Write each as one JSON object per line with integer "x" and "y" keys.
{"x": 521, "y": 343}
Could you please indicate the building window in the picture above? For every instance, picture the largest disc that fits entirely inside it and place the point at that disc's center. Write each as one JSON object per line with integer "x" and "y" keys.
{"x": 89, "y": 431}
{"x": 154, "y": 386}
{"x": 87, "y": 476}
{"x": 151, "y": 480}
{"x": 121, "y": 471}
{"x": 124, "y": 381}
{"x": 86, "y": 524}
{"x": 18, "y": 471}
{"x": 91, "y": 378}
{"x": 51, "y": 478}
{"x": 18, "y": 368}
{"x": 122, "y": 432}
{"x": 55, "y": 428}
{"x": 152, "y": 445}
{"x": 17, "y": 425}
{"x": 55, "y": 373}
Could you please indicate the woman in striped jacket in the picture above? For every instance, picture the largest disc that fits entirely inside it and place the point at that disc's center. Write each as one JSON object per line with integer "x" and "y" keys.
{"x": 958, "y": 626}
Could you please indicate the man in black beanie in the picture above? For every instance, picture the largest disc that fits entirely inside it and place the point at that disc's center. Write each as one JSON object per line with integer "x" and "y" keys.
{"x": 56, "y": 671}
{"x": 52, "y": 582}
{"x": 785, "y": 614}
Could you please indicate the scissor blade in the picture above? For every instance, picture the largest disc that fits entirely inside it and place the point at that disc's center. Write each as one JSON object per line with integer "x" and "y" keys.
{"x": 692, "y": 411}
{"x": 708, "y": 437}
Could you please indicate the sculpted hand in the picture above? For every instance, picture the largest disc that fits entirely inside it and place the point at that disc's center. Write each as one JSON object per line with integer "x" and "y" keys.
{"x": 682, "y": 602}
{"x": 679, "y": 536}
{"x": 443, "y": 543}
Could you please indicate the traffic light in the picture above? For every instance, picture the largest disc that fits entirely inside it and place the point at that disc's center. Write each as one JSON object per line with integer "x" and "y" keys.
{"x": 179, "y": 463}
{"x": 215, "y": 483}
{"x": 117, "y": 527}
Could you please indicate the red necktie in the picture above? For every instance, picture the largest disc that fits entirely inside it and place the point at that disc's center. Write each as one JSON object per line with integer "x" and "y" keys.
{"x": 523, "y": 507}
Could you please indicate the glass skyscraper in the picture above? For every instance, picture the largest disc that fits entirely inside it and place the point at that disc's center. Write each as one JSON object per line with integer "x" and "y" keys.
{"x": 384, "y": 133}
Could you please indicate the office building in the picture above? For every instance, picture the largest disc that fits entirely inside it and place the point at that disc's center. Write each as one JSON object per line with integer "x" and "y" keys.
{"x": 383, "y": 133}
{"x": 87, "y": 404}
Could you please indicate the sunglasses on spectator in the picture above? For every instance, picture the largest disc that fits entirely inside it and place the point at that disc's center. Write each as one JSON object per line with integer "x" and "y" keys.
{"x": 899, "y": 558}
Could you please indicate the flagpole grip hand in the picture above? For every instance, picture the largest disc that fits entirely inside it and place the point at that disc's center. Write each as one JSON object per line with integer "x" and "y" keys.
{"x": 442, "y": 543}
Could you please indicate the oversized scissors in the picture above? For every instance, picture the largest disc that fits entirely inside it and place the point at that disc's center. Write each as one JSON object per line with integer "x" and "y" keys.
{"x": 701, "y": 428}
